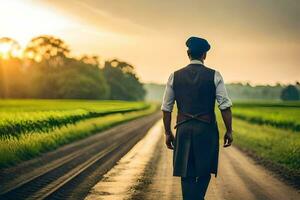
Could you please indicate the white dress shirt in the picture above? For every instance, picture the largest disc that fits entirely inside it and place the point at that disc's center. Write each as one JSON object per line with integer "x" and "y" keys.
{"x": 221, "y": 94}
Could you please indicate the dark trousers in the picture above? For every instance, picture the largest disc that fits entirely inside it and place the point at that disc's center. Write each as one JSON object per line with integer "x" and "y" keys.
{"x": 194, "y": 188}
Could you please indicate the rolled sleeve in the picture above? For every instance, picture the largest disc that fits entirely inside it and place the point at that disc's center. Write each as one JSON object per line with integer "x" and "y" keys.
{"x": 169, "y": 96}
{"x": 222, "y": 97}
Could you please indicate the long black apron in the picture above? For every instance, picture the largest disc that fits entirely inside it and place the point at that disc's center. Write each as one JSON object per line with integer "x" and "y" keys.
{"x": 196, "y": 149}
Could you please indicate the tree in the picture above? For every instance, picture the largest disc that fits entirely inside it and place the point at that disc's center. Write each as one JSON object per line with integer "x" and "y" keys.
{"x": 81, "y": 87}
{"x": 10, "y": 66}
{"x": 74, "y": 80}
{"x": 290, "y": 93}
{"x": 9, "y": 48}
{"x": 54, "y": 74}
{"x": 83, "y": 80}
{"x": 47, "y": 48}
{"x": 124, "y": 66}
{"x": 123, "y": 82}
{"x": 92, "y": 60}
{"x": 50, "y": 72}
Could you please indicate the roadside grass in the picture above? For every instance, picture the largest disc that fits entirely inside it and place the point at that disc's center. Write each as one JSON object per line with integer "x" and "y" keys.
{"x": 279, "y": 147}
{"x": 27, "y": 146}
{"x": 24, "y": 116}
{"x": 284, "y": 115}
{"x": 280, "y": 117}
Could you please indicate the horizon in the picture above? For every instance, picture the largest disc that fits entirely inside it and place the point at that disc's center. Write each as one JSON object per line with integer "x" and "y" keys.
{"x": 264, "y": 52}
{"x": 243, "y": 83}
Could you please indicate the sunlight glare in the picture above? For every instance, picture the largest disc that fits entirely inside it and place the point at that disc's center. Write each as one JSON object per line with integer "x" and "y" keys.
{"x": 9, "y": 49}
{"x": 23, "y": 20}
{"x": 4, "y": 50}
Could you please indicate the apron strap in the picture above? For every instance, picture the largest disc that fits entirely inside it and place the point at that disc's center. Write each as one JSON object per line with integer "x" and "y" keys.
{"x": 198, "y": 116}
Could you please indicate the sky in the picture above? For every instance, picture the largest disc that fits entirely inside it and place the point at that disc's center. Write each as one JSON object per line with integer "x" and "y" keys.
{"x": 253, "y": 41}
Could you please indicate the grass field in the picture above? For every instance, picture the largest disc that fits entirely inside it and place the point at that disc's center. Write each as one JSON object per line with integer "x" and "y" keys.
{"x": 18, "y": 143}
{"x": 31, "y": 127}
{"x": 279, "y": 115}
{"x": 270, "y": 132}
{"x": 23, "y": 116}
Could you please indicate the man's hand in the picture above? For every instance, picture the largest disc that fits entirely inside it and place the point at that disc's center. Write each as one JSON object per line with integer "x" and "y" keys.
{"x": 170, "y": 140}
{"x": 227, "y": 139}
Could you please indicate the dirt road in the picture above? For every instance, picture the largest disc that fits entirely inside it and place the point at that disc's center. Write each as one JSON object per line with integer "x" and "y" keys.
{"x": 71, "y": 171}
{"x": 239, "y": 178}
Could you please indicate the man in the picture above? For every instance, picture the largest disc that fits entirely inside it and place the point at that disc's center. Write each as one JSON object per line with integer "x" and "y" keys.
{"x": 195, "y": 88}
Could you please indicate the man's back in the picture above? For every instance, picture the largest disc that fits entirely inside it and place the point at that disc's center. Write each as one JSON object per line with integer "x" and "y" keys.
{"x": 194, "y": 89}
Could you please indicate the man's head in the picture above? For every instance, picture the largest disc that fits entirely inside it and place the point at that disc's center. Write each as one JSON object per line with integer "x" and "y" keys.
{"x": 197, "y": 48}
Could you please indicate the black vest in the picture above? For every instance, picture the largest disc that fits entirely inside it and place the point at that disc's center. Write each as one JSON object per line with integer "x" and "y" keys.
{"x": 195, "y": 90}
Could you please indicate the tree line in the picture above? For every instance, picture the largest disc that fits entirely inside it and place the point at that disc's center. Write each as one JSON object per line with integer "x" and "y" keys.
{"x": 47, "y": 69}
{"x": 239, "y": 91}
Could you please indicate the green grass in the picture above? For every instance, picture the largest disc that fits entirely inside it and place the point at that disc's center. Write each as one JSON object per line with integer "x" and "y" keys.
{"x": 280, "y": 115}
{"x": 279, "y": 146}
{"x": 24, "y": 116}
{"x": 26, "y": 146}
{"x": 269, "y": 131}
{"x": 267, "y": 103}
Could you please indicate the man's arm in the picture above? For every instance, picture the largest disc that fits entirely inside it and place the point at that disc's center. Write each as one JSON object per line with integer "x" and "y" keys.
{"x": 227, "y": 119}
{"x": 167, "y": 118}
{"x": 167, "y": 107}
{"x": 225, "y": 107}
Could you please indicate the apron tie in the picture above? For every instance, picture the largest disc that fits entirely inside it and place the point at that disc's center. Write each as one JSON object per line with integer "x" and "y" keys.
{"x": 185, "y": 117}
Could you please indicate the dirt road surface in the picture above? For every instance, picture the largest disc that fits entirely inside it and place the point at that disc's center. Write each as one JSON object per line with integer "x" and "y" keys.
{"x": 148, "y": 175}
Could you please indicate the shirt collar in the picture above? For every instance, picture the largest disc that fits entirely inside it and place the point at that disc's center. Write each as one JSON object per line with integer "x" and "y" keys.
{"x": 196, "y": 62}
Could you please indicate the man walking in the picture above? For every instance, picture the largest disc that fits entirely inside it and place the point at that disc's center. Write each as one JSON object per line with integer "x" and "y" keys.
{"x": 195, "y": 88}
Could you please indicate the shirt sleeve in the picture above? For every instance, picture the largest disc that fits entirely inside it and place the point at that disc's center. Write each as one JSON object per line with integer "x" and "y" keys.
{"x": 221, "y": 92}
{"x": 169, "y": 96}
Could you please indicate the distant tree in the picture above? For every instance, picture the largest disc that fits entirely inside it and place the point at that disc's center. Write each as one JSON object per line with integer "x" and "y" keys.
{"x": 92, "y": 60}
{"x": 243, "y": 92}
{"x": 47, "y": 48}
{"x": 124, "y": 66}
{"x": 74, "y": 80}
{"x": 54, "y": 74}
{"x": 11, "y": 74}
{"x": 86, "y": 80}
{"x": 290, "y": 93}
{"x": 9, "y": 48}
{"x": 123, "y": 82}
{"x": 47, "y": 70}
{"x": 1, "y": 82}
{"x": 297, "y": 85}
{"x": 81, "y": 86}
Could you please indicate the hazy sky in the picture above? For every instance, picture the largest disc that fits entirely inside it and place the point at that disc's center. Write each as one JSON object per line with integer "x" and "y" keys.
{"x": 252, "y": 40}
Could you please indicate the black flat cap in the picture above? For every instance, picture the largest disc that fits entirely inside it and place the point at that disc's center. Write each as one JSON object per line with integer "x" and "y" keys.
{"x": 196, "y": 44}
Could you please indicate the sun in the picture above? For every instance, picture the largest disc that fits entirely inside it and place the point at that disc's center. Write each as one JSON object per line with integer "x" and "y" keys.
{"x": 4, "y": 51}
{"x": 9, "y": 48}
